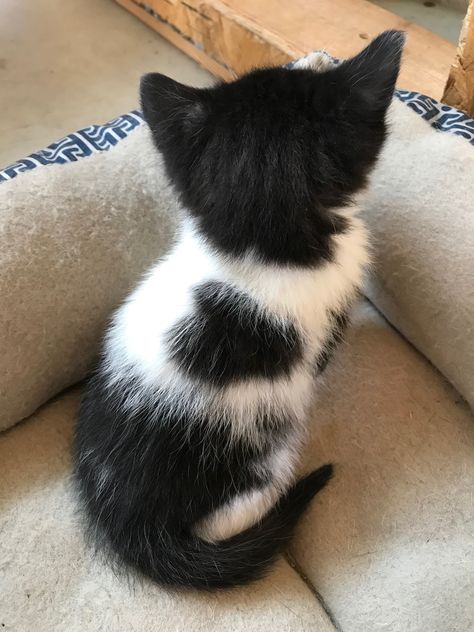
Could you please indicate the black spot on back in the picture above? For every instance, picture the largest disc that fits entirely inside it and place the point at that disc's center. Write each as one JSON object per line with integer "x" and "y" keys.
{"x": 228, "y": 338}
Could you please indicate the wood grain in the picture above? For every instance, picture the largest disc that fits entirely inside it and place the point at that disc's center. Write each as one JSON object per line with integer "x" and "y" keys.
{"x": 459, "y": 90}
{"x": 232, "y": 36}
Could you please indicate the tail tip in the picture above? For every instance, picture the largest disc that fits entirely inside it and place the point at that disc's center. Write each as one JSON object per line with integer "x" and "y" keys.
{"x": 314, "y": 482}
{"x": 323, "y": 474}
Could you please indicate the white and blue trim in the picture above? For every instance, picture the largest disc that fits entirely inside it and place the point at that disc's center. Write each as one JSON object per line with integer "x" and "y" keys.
{"x": 83, "y": 143}
{"x": 442, "y": 117}
{"x": 95, "y": 138}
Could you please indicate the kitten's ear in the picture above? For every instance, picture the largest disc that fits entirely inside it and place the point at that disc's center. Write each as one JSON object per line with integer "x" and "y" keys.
{"x": 164, "y": 100}
{"x": 371, "y": 75}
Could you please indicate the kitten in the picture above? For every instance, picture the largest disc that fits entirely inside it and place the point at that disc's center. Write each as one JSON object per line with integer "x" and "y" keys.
{"x": 190, "y": 429}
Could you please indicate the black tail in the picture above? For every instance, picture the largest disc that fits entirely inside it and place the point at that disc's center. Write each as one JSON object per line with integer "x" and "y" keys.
{"x": 198, "y": 564}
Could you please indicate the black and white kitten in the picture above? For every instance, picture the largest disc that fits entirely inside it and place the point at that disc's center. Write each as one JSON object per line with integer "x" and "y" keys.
{"x": 190, "y": 429}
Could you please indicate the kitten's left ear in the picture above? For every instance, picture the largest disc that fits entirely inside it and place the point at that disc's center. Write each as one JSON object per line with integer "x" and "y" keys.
{"x": 164, "y": 100}
{"x": 371, "y": 75}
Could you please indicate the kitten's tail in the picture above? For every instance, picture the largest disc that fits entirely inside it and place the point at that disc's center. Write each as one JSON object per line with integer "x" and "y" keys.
{"x": 195, "y": 563}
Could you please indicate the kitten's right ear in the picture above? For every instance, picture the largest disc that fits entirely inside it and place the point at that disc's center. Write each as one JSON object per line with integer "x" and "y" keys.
{"x": 164, "y": 100}
{"x": 371, "y": 75}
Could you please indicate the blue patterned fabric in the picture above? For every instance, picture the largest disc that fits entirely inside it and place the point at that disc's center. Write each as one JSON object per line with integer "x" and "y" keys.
{"x": 441, "y": 117}
{"x": 81, "y": 144}
{"x": 96, "y": 138}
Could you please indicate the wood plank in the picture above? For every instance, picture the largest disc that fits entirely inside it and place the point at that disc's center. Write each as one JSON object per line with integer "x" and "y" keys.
{"x": 459, "y": 90}
{"x": 177, "y": 38}
{"x": 341, "y": 26}
{"x": 232, "y": 36}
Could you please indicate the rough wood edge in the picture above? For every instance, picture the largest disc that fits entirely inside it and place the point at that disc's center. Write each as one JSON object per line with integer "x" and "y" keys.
{"x": 228, "y": 37}
{"x": 459, "y": 90}
{"x": 221, "y": 40}
{"x": 177, "y": 39}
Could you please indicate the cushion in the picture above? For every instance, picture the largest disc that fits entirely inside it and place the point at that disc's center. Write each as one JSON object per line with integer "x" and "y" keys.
{"x": 420, "y": 209}
{"x": 74, "y": 238}
{"x": 50, "y": 581}
{"x": 389, "y": 545}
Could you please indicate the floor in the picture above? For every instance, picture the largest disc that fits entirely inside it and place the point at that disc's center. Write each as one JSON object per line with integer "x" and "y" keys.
{"x": 65, "y": 64}
{"x": 444, "y": 18}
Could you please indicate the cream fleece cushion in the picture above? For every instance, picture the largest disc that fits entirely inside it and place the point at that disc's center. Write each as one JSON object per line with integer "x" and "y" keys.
{"x": 420, "y": 210}
{"x": 390, "y": 544}
{"x": 50, "y": 582}
{"x": 73, "y": 240}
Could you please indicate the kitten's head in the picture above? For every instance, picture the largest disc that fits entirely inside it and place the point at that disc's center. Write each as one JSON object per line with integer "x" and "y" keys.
{"x": 263, "y": 163}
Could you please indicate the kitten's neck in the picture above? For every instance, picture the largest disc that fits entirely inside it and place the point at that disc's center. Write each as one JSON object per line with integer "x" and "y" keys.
{"x": 288, "y": 290}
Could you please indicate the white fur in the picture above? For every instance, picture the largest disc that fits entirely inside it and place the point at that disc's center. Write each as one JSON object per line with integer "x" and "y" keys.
{"x": 305, "y": 295}
{"x": 239, "y": 514}
{"x": 318, "y": 61}
{"x": 160, "y": 300}
{"x": 246, "y": 509}
{"x": 136, "y": 346}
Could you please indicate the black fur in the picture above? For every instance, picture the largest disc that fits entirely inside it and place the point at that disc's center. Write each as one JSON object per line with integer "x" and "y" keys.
{"x": 339, "y": 325}
{"x": 168, "y": 481}
{"x": 229, "y": 338}
{"x": 261, "y": 162}
{"x": 262, "y": 165}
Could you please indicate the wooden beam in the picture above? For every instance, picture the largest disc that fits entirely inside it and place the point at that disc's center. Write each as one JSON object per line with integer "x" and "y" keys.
{"x": 230, "y": 37}
{"x": 459, "y": 90}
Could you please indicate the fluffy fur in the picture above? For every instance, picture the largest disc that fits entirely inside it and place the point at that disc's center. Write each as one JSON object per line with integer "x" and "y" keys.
{"x": 190, "y": 429}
